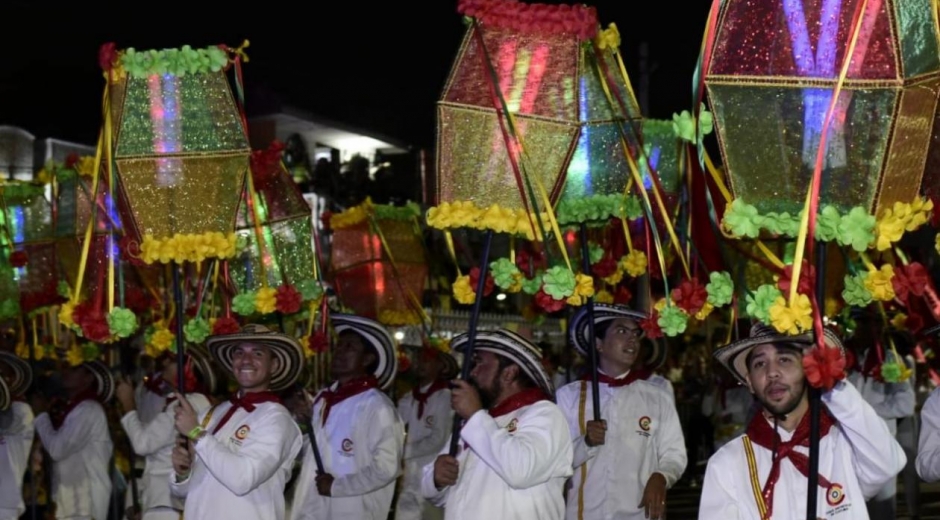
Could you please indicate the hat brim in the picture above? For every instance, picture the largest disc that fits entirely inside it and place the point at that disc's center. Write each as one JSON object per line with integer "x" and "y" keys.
{"x": 22, "y": 372}
{"x": 285, "y": 349}
{"x": 580, "y": 332}
{"x": 734, "y": 356}
{"x": 378, "y": 338}
{"x": 451, "y": 367}
{"x": 103, "y": 378}
{"x": 512, "y": 346}
{"x": 202, "y": 362}
{"x": 4, "y": 396}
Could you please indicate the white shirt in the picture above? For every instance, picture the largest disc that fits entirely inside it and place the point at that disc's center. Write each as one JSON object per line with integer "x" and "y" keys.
{"x": 513, "y": 467}
{"x": 857, "y": 457}
{"x": 643, "y": 437}
{"x": 361, "y": 446}
{"x": 16, "y": 439}
{"x": 81, "y": 452}
{"x": 155, "y": 441}
{"x": 891, "y": 401}
{"x": 240, "y": 472}
{"x": 928, "y": 449}
{"x": 426, "y": 436}
{"x": 665, "y": 384}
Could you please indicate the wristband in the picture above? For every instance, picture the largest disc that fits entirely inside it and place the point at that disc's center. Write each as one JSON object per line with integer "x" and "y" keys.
{"x": 195, "y": 432}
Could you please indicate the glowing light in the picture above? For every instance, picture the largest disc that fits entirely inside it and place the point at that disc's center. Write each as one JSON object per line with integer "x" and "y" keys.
{"x": 501, "y": 296}
{"x": 399, "y": 335}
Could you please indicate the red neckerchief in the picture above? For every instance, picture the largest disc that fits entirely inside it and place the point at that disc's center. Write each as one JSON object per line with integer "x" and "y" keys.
{"x": 422, "y": 397}
{"x": 517, "y": 401}
{"x": 344, "y": 391}
{"x": 873, "y": 361}
{"x": 762, "y": 434}
{"x": 154, "y": 383}
{"x": 632, "y": 375}
{"x": 248, "y": 402}
{"x": 58, "y": 416}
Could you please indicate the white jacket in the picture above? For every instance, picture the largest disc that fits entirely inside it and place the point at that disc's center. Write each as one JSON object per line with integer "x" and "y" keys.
{"x": 16, "y": 439}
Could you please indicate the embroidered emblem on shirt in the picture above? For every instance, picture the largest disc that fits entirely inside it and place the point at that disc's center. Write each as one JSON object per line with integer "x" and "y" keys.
{"x": 347, "y": 445}
{"x": 429, "y": 421}
{"x": 645, "y": 423}
{"x": 242, "y": 432}
{"x": 835, "y": 494}
{"x": 512, "y": 426}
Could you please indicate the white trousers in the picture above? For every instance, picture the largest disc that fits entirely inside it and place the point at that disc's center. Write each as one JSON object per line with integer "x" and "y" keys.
{"x": 161, "y": 513}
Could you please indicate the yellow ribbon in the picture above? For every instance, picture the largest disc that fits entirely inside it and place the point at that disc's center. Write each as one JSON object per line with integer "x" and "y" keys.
{"x": 449, "y": 239}
{"x": 391, "y": 260}
{"x": 254, "y": 201}
{"x": 86, "y": 246}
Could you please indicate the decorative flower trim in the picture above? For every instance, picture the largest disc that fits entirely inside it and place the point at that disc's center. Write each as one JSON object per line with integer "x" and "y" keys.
{"x": 39, "y": 351}
{"x": 684, "y": 125}
{"x": 15, "y": 192}
{"x": 178, "y": 62}
{"x": 399, "y": 318}
{"x": 286, "y": 299}
{"x": 598, "y": 208}
{"x": 540, "y": 19}
{"x": 158, "y": 339}
{"x": 78, "y": 354}
{"x": 67, "y": 171}
{"x": 358, "y": 214}
{"x": 465, "y": 214}
{"x": 188, "y": 248}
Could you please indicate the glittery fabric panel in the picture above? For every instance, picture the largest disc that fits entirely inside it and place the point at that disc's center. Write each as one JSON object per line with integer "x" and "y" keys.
{"x": 170, "y": 115}
{"x": 473, "y": 163}
{"x": 193, "y": 195}
{"x": 536, "y": 74}
{"x": 74, "y": 208}
{"x": 288, "y": 255}
{"x": 95, "y": 279}
{"x": 396, "y": 292}
{"x": 37, "y": 280}
{"x": 116, "y": 93}
{"x": 403, "y": 241}
{"x": 755, "y": 39}
{"x": 371, "y": 288}
{"x": 29, "y": 219}
{"x": 662, "y": 149}
{"x": 9, "y": 287}
{"x": 770, "y": 151}
{"x": 908, "y": 150}
{"x": 918, "y": 34}
{"x": 593, "y": 103}
{"x": 598, "y": 166}
{"x": 281, "y": 198}
{"x": 931, "y": 182}
{"x": 354, "y": 245}
{"x": 356, "y": 288}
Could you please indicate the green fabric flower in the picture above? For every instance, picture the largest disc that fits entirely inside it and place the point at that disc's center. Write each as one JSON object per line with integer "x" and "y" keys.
{"x": 244, "y": 303}
{"x": 122, "y": 322}
{"x": 672, "y": 320}
{"x": 855, "y": 292}
{"x": 504, "y": 273}
{"x": 759, "y": 303}
{"x": 857, "y": 229}
{"x": 407, "y": 212}
{"x": 684, "y": 126}
{"x": 532, "y": 285}
{"x": 706, "y": 121}
{"x": 776, "y": 222}
{"x": 310, "y": 290}
{"x": 90, "y": 352}
{"x": 891, "y": 372}
{"x": 720, "y": 288}
{"x": 595, "y": 253}
{"x": 589, "y": 209}
{"x": 827, "y": 224}
{"x": 559, "y": 282}
{"x": 632, "y": 208}
{"x": 63, "y": 289}
{"x": 9, "y": 308}
{"x": 742, "y": 219}
{"x": 196, "y": 330}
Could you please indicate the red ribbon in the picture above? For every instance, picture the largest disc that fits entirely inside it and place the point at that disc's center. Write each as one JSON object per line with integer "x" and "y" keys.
{"x": 633, "y": 375}
{"x": 517, "y": 401}
{"x": 344, "y": 391}
{"x": 248, "y": 402}
{"x": 422, "y": 397}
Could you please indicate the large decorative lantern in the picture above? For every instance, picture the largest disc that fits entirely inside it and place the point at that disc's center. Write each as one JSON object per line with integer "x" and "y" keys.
{"x": 180, "y": 147}
{"x": 771, "y": 79}
{"x": 28, "y": 237}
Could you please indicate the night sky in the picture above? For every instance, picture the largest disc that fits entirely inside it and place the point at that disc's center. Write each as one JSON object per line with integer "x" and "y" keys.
{"x": 378, "y": 66}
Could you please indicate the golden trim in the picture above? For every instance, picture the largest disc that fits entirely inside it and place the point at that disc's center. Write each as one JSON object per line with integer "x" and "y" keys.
{"x": 223, "y": 154}
{"x": 896, "y": 43}
{"x": 583, "y": 427}
{"x": 754, "y": 478}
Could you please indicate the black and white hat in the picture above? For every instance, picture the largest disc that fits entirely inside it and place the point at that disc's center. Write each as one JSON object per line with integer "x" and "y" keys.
{"x": 104, "y": 379}
{"x": 4, "y": 396}
{"x": 202, "y": 362}
{"x": 510, "y": 345}
{"x": 22, "y": 373}
{"x": 579, "y": 333}
{"x": 734, "y": 356}
{"x": 377, "y": 336}
{"x": 283, "y": 347}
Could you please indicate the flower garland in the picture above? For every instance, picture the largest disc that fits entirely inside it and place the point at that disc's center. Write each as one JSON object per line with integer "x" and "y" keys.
{"x": 285, "y": 299}
{"x": 358, "y": 214}
{"x": 188, "y": 247}
{"x": 598, "y": 208}
{"x": 92, "y": 324}
{"x": 540, "y": 19}
{"x": 178, "y": 62}
{"x": 465, "y": 214}
{"x": 73, "y": 167}
{"x": 689, "y": 300}
{"x": 78, "y": 354}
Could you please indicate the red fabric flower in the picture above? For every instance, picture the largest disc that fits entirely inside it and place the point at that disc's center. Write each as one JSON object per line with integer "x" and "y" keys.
{"x": 225, "y": 325}
{"x": 604, "y": 268}
{"x": 475, "y": 279}
{"x": 910, "y": 279}
{"x": 96, "y": 329}
{"x": 690, "y": 296}
{"x": 807, "y": 279}
{"x": 622, "y": 296}
{"x": 530, "y": 261}
{"x": 824, "y": 367}
{"x": 107, "y": 55}
{"x": 287, "y": 299}
{"x": 547, "y": 303}
{"x": 19, "y": 258}
{"x": 650, "y": 326}
{"x": 318, "y": 342}
{"x": 71, "y": 160}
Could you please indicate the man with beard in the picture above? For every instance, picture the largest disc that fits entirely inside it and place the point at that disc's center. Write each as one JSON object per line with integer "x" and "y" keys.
{"x": 515, "y": 452}
{"x": 623, "y": 475}
{"x": 763, "y": 473}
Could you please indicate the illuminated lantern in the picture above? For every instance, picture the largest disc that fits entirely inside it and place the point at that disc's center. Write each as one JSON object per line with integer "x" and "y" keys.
{"x": 378, "y": 262}
{"x": 771, "y": 79}
{"x": 179, "y": 144}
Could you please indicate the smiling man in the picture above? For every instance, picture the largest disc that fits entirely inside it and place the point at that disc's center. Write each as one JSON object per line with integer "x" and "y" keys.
{"x": 239, "y": 454}
{"x": 763, "y": 473}
{"x": 624, "y": 463}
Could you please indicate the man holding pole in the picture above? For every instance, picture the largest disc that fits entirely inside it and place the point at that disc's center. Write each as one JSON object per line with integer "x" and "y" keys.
{"x": 624, "y": 463}
{"x": 515, "y": 452}
{"x": 763, "y": 473}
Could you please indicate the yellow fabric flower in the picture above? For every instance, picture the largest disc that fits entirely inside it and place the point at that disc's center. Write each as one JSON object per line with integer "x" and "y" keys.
{"x": 575, "y": 300}
{"x": 162, "y": 339}
{"x": 634, "y": 263}
{"x": 936, "y": 242}
{"x": 898, "y": 320}
{"x": 584, "y": 285}
{"x": 889, "y": 229}
{"x": 879, "y": 283}
{"x": 265, "y": 300}
{"x": 85, "y": 166}
{"x": 399, "y": 318}
{"x": 352, "y": 216}
{"x": 65, "y": 314}
{"x": 516, "y": 284}
{"x": 615, "y": 278}
{"x": 187, "y": 248}
{"x": 462, "y": 290}
{"x": 603, "y": 296}
{"x": 74, "y": 356}
{"x": 792, "y": 320}
{"x": 704, "y": 311}
{"x": 44, "y": 176}
{"x": 660, "y": 305}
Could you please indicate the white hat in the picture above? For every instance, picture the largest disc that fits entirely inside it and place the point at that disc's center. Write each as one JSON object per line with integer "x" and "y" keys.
{"x": 510, "y": 345}
{"x": 378, "y": 337}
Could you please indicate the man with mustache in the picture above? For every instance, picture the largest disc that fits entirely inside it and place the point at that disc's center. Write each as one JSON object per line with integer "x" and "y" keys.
{"x": 624, "y": 463}
{"x": 763, "y": 473}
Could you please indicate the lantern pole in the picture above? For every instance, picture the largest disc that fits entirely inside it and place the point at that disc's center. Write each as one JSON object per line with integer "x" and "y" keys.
{"x": 180, "y": 355}
{"x": 815, "y": 395}
{"x": 592, "y": 337}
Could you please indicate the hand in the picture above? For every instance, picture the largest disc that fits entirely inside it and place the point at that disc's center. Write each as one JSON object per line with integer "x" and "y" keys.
{"x": 465, "y": 399}
{"x": 132, "y": 513}
{"x": 303, "y": 408}
{"x": 39, "y": 403}
{"x": 185, "y": 417}
{"x": 182, "y": 458}
{"x": 325, "y": 484}
{"x": 446, "y": 470}
{"x": 596, "y": 433}
{"x": 125, "y": 395}
{"x": 654, "y": 497}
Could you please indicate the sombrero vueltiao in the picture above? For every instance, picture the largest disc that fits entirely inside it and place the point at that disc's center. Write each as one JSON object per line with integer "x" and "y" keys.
{"x": 104, "y": 379}
{"x": 203, "y": 363}
{"x": 284, "y": 348}
{"x": 4, "y": 396}
{"x": 450, "y": 367}
{"x": 734, "y": 356}
{"x": 579, "y": 332}
{"x": 510, "y": 345}
{"x": 22, "y": 373}
{"x": 377, "y": 336}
